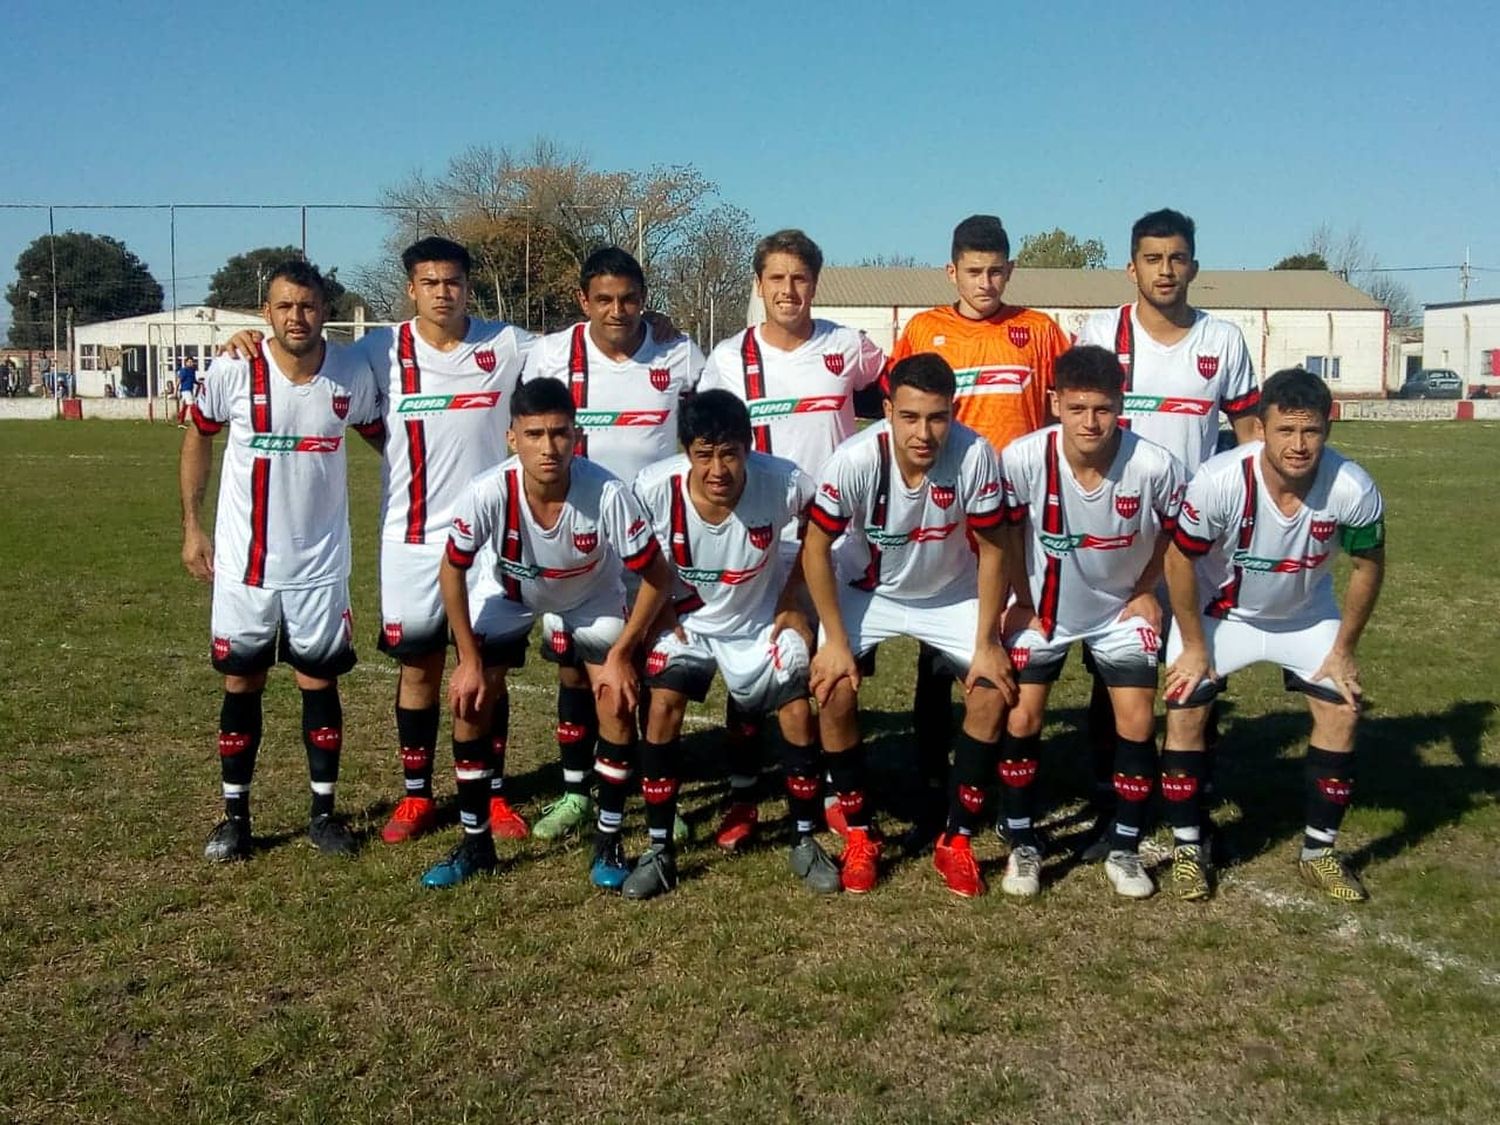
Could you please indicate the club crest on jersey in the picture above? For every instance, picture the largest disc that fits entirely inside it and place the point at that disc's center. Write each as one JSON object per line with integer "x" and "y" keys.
{"x": 656, "y": 662}
{"x": 559, "y": 642}
{"x": 584, "y": 542}
{"x": 1208, "y": 366}
{"x": 1322, "y": 530}
{"x": 221, "y": 648}
{"x": 943, "y": 494}
{"x": 760, "y": 537}
{"x": 1019, "y": 658}
{"x": 1128, "y": 506}
{"x": 485, "y": 357}
{"x": 1019, "y": 335}
{"x": 392, "y": 631}
{"x": 834, "y": 361}
{"x": 341, "y": 406}
{"x": 661, "y": 378}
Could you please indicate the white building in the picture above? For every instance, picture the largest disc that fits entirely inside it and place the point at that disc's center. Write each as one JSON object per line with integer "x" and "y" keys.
{"x": 1464, "y": 336}
{"x": 146, "y": 351}
{"x": 1290, "y": 318}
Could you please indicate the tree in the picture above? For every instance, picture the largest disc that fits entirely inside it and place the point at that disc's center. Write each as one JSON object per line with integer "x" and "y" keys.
{"x": 1310, "y": 261}
{"x": 705, "y": 282}
{"x": 1057, "y": 249}
{"x": 240, "y": 283}
{"x": 97, "y": 277}
{"x": 1346, "y": 254}
{"x": 893, "y": 262}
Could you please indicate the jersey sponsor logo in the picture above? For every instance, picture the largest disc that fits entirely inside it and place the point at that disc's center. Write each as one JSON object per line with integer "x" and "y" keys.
{"x": 781, "y": 407}
{"x": 341, "y": 406}
{"x": 831, "y": 491}
{"x": 485, "y": 357}
{"x": 437, "y": 404}
{"x": 661, "y": 378}
{"x": 1019, "y": 334}
{"x": 1060, "y": 545}
{"x": 1208, "y": 366}
{"x": 883, "y": 538}
{"x": 1128, "y": 506}
{"x": 834, "y": 361}
{"x": 1160, "y": 404}
{"x": 943, "y": 494}
{"x": 1005, "y": 379}
{"x": 1277, "y": 566}
{"x": 634, "y": 529}
{"x": 1322, "y": 530}
{"x": 584, "y": 542}
{"x": 698, "y": 576}
{"x": 221, "y": 648}
{"x": 1191, "y": 512}
{"x": 530, "y": 572}
{"x": 604, "y": 419}
{"x": 295, "y": 443}
{"x": 463, "y": 527}
{"x": 393, "y": 633}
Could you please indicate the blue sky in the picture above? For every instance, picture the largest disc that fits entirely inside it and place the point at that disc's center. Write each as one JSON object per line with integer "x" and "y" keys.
{"x": 874, "y": 126}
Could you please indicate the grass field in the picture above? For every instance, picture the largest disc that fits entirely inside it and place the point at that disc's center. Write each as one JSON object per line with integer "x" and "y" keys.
{"x": 139, "y": 984}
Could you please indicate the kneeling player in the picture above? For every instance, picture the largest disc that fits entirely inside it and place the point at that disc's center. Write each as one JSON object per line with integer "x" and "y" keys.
{"x": 280, "y": 571}
{"x": 1100, "y": 504}
{"x": 912, "y": 493}
{"x": 560, "y": 528}
{"x": 1260, "y": 527}
{"x": 721, "y": 511}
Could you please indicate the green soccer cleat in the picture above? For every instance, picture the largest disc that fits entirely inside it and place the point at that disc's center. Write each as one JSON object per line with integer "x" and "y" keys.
{"x": 563, "y": 817}
{"x": 1329, "y": 871}
{"x": 1190, "y": 873}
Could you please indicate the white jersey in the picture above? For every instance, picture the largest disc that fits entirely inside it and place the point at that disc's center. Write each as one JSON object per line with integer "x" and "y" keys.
{"x": 283, "y": 512}
{"x": 1260, "y": 566}
{"x": 558, "y": 568}
{"x": 627, "y": 409}
{"x": 1087, "y": 549}
{"x": 734, "y": 570}
{"x": 446, "y": 417}
{"x": 910, "y": 544}
{"x": 1173, "y": 394}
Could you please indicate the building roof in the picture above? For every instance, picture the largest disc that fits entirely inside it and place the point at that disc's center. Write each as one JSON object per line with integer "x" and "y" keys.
{"x": 188, "y": 314}
{"x": 1450, "y": 304}
{"x": 881, "y": 286}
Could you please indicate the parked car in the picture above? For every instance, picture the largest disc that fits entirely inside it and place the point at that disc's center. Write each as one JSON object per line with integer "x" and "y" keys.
{"x": 1432, "y": 383}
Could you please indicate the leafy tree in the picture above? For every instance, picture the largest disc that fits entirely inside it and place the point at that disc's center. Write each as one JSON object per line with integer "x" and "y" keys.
{"x": 1347, "y": 254}
{"x": 1307, "y": 261}
{"x": 1057, "y": 249}
{"x": 240, "y": 283}
{"x": 97, "y": 277}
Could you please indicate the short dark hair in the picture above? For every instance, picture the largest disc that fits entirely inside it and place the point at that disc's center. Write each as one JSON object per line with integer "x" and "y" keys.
{"x": 789, "y": 241}
{"x": 716, "y": 416}
{"x": 435, "y": 249}
{"x": 1165, "y": 223}
{"x": 984, "y": 233}
{"x": 923, "y": 372}
{"x": 540, "y": 396}
{"x": 299, "y": 272}
{"x": 611, "y": 261}
{"x": 1088, "y": 367}
{"x": 1296, "y": 388}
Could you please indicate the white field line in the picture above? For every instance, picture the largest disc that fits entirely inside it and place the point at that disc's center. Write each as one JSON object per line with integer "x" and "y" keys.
{"x": 1351, "y": 927}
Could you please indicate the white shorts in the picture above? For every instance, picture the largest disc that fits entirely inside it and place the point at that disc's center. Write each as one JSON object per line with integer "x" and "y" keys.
{"x": 572, "y": 637}
{"x": 946, "y": 626}
{"x": 1122, "y": 653}
{"x": 412, "y": 619}
{"x": 311, "y": 629}
{"x": 761, "y": 675}
{"x": 188, "y": 398}
{"x": 1232, "y": 645}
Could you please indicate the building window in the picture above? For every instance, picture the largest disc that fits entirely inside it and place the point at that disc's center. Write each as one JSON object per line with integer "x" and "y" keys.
{"x": 1489, "y": 363}
{"x": 88, "y": 357}
{"x": 1325, "y": 367}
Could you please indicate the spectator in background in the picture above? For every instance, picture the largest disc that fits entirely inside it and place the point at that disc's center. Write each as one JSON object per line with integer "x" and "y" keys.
{"x": 187, "y": 389}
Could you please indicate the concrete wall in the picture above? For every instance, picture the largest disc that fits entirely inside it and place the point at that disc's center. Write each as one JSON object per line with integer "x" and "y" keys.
{"x": 1457, "y": 337}
{"x": 12, "y": 409}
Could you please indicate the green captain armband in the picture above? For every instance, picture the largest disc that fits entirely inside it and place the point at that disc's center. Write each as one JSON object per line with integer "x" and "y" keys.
{"x": 1357, "y": 540}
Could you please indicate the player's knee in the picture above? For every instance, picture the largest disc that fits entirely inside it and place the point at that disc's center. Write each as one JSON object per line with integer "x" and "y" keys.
{"x": 1024, "y": 719}
{"x": 424, "y": 672}
{"x": 1187, "y": 726}
{"x": 984, "y": 712}
{"x": 797, "y": 724}
{"x": 1334, "y": 725}
{"x": 1135, "y": 716}
{"x": 570, "y": 677}
{"x": 240, "y": 685}
{"x": 664, "y": 718}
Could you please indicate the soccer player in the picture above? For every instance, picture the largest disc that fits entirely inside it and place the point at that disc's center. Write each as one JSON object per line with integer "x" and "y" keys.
{"x": 1183, "y": 368}
{"x": 912, "y": 493}
{"x": 1099, "y": 504}
{"x": 721, "y": 509}
{"x": 279, "y": 558}
{"x": 187, "y": 389}
{"x": 798, "y": 375}
{"x": 1002, "y": 356}
{"x": 559, "y": 530}
{"x": 627, "y": 387}
{"x": 1251, "y": 579}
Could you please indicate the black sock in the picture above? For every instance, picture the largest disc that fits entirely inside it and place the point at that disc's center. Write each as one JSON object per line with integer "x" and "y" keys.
{"x": 323, "y": 736}
{"x": 577, "y": 731}
{"x": 660, "y": 769}
{"x": 1102, "y": 747}
{"x": 1018, "y": 766}
{"x": 1182, "y": 796}
{"x": 804, "y": 786}
{"x": 973, "y": 765}
{"x": 1329, "y": 780}
{"x": 932, "y": 716}
{"x": 742, "y": 751}
{"x": 417, "y": 731}
{"x": 499, "y": 738}
{"x": 1134, "y": 778}
{"x": 614, "y": 763}
{"x": 471, "y": 766}
{"x": 239, "y": 740}
{"x": 847, "y": 770}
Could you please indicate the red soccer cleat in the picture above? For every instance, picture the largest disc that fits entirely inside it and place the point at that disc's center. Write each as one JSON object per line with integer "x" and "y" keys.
{"x": 505, "y": 822}
{"x": 861, "y": 863}
{"x": 955, "y": 862}
{"x": 738, "y": 826}
{"x": 414, "y": 816}
{"x": 833, "y": 816}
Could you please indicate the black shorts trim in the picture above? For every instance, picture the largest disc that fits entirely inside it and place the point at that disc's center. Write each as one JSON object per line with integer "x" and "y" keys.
{"x": 1293, "y": 682}
{"x": 504, "y": 652}
{"x": 1205, "y": 693}
{"x": 251, "y": 663}
{"x": 681, "y": 677}
{"x": 415, "y": 644}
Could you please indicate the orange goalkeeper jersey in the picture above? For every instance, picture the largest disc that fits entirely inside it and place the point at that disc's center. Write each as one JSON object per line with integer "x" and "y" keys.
{"x": 1003, "y": 364}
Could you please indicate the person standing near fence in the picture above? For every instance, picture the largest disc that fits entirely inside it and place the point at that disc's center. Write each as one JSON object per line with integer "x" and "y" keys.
{"x": 187, "y": 389}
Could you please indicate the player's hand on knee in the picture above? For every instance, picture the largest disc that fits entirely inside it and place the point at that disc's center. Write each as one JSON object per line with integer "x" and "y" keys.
{"x": 1189, "y": 670}
{"x": 467, "y": 692}
{"x": 198, "y": 555}
{"x": 1341, "y": 667}
{"x": 615, "y": 684}
{"x": 243, "y": 344}
{"x": 991, "y": 668}
{"x": 831, "y": 664}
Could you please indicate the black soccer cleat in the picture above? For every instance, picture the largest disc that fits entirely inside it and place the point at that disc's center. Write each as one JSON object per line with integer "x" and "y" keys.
{"x": 230, "y": 841}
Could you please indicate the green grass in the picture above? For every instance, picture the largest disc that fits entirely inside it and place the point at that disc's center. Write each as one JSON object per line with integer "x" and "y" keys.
{"x": 138, "y": 984}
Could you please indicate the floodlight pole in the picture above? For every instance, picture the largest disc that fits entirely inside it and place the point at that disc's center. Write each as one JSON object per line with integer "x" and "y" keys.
{"x": 52, "y": 247}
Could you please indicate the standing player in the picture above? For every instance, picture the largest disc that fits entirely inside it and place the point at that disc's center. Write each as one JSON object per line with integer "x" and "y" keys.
{"x": 1183, "y": 367}
{"x": 187, "y": 389}
{"x": 1259, "y": 530}
{"x": 559, "y": 529}
{"x": 798, "y": 375}
{"x": 1100, "y": 504}
{"x": 721, "y": 509}
{"x": 912, "y": 493}
{"x": 627, "y": 387}
{"x": 279, "y": 559}
{"x": 1002, "y": 356}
